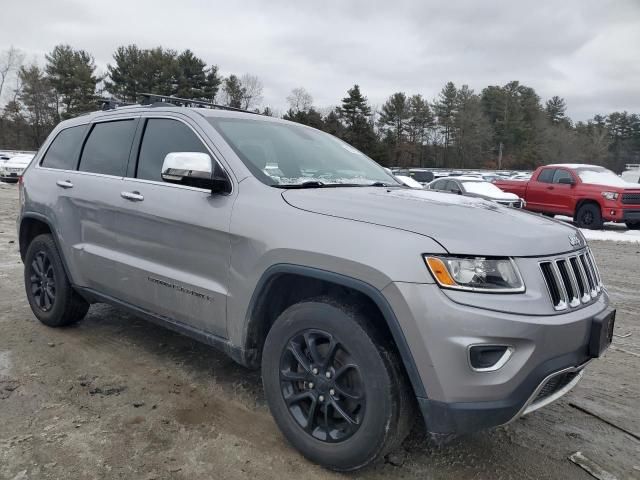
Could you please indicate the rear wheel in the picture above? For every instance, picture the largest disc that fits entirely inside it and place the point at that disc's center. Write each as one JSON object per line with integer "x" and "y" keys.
{"x": 51, "y": 297}
{"x": 633, "y": 225}
{"x": 589, "y": 216}
{"x": 334, "y": 387}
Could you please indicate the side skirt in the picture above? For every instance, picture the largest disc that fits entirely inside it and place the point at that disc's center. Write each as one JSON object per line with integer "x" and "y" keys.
{"x": 236, "y": 353}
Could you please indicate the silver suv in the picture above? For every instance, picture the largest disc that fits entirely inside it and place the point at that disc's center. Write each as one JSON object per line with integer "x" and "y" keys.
{"x": 365, "y": 303}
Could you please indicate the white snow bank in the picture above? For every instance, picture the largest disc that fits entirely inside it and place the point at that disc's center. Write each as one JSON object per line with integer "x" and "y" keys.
{"x": 612, "y": 232}
{"x": 612, "y": 235}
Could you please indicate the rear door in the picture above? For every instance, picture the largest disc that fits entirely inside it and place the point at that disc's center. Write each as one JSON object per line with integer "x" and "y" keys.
{"x": 92, "y": 195}
{"x": 176, "y": 248}
{"x": 537, "y": 191}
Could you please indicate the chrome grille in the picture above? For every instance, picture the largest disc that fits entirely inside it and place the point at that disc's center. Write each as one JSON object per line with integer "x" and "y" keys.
{"x": 572, "y": 279}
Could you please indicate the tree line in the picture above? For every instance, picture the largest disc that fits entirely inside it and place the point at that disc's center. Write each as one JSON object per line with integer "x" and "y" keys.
{"x": 506, "y": 126}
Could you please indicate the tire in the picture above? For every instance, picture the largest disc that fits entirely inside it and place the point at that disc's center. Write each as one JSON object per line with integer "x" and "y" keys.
{"x": 633, "y": 225}
{"x": 363, "y": 365}
{"x": 589, "y": 216}
{"x": 51, "y": 297}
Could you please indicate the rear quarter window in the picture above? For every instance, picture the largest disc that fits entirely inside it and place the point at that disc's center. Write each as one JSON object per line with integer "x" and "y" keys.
{"x": 107, "y": 148}
{"x": 65, "y": 148}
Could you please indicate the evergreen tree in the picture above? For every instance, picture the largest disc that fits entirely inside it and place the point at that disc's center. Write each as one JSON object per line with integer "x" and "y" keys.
{"x": 394, "y": 121}
{"x": 192, "y": 77}
{"x": 471, "y": 131}
{"x": 71, "y": 74}
{"x": 355, "y": 113}
{"x": 233, "y": 91}
{"x": 445, "y": 108}
{"x": 125, "y": 75}
{"x": 556, "y": 109}
{"x": 212, "y": 84}
{"x": 38, "y": 102}
{"x": 420, "y": 124}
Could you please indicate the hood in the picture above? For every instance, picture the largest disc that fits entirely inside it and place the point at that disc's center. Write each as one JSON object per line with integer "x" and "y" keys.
{"x": 462, "y": 225}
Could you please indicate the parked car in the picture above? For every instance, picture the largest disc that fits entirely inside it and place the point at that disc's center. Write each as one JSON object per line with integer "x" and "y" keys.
{"x": 476, "y": 187}
{"x": 588, "y": 193}
{"x": 11, "y": 170}
{"x": 360, "y": 299}
{"x": 420, "y": 175}
{"x": 631, "y": 174}
{"x": 409, "y": 182}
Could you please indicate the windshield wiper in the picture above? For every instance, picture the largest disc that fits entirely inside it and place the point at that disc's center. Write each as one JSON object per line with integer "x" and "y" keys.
{"x": 317, "y": 184}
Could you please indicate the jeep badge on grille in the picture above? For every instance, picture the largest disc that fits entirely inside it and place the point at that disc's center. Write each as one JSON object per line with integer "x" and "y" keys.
{"x": 575, "y": 240}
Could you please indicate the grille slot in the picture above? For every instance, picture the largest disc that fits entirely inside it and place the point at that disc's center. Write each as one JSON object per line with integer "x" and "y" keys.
{"x": 571, "y": 280}
{"x": 631, "y": 198}
{"x": 554, "y": 384}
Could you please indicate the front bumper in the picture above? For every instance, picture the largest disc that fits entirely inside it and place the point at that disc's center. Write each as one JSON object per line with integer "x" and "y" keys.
{"x": 460, "y": 400}
{"x": 629, "y": 213}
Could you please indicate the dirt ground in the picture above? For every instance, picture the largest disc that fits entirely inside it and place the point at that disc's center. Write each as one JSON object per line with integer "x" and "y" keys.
{"x": 116, "y": 397}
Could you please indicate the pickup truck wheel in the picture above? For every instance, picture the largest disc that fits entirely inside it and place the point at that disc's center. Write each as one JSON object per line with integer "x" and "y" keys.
{"x": 589, "y": 216}
{"x": 50, "y": 295}
{"x": 334, "y": 387}
{"x": 633, "y": 225}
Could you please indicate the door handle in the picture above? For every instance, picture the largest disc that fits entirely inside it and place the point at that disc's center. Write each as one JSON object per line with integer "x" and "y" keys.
{"x": 549, "y": 188}
{"x": 64, "y": 184}
{"x": 133, "y": 196}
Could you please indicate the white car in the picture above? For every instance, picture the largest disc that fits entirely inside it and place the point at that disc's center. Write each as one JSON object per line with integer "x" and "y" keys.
{"x": 11, "y": 170}
{"x": 409, "y": 182}
{"x": 476, "y": 187}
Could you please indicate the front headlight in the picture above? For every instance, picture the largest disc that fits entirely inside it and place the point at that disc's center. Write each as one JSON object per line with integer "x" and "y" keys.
{"x": 610, "y": 195}
{"x": 477, "y": 274}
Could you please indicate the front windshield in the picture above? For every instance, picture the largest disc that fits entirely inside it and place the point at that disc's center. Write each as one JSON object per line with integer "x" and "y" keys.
{"x": 281, "y": 154}
{"x": 600, "y": 176}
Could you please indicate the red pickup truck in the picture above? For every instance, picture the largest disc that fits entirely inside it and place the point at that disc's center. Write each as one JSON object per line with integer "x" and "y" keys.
{"x": 588, "y": 193}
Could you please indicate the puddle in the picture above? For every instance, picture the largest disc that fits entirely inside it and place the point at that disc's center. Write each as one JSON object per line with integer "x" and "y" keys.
{"x": 5, "y": 363}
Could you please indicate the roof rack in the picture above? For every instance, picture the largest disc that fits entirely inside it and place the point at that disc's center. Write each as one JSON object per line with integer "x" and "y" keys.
{"x": 112, "y": 103}
{"x": 156, "y": 100}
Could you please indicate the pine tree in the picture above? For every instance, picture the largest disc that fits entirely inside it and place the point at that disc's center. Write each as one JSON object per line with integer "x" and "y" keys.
{"x": 445, "y": 107}
{"x": 394, "y": 121}
{"x": 556, "y": 108}
{"x": 233, "y": 91}
{"x": 192, "y": 77}
{"x": 355, "y": 113}
{"x": 71, "y": 73}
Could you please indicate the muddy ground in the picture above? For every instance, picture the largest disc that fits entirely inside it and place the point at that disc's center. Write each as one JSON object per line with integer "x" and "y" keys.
{"x": 116, "y": 397}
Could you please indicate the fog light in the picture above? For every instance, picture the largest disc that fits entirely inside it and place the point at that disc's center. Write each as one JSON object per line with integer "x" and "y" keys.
{"x": 613, "y": 212}
{"x": 489, "y": 358}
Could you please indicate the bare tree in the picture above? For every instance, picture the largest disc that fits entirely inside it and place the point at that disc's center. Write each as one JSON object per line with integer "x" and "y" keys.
{"x": 252, "y": 91}
{"x": 300, "y": 100}
{"x": 10, "y": 62}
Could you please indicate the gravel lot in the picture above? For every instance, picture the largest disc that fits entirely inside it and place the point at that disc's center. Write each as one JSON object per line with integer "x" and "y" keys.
{"x": 116, "y": 397}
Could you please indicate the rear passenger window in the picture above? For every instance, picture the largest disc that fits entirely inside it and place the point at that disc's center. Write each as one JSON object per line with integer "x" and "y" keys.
{"x": 546, "y": 175}
{"x": 162, "y": 136}
{"x": 107, "y": 148}
{"x": 63, "y": 151}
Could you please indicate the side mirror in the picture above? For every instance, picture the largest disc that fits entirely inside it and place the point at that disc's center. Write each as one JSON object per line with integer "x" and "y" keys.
{"x": 566, "y": 181}
{"x": 193, "y": 169}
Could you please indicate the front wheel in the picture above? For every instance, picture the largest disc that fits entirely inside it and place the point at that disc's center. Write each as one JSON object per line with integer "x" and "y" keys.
{"x": 589, "y": 216}
{"x": 334, "y": 387}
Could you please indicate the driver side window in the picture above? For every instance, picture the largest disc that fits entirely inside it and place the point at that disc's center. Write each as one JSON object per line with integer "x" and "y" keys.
{"x": 162, "y": 136}
{"x": 560, "y": 174}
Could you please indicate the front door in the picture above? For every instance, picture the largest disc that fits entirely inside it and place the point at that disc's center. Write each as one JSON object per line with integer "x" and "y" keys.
{"x": 177, "y": 245}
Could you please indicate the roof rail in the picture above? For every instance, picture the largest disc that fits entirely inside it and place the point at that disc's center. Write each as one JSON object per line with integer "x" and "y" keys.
{"x": 112, "y": 103}
{"x": 153, "y": 100}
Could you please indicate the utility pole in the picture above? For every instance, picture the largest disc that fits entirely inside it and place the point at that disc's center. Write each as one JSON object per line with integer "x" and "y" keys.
{"x": 500, "y": 156}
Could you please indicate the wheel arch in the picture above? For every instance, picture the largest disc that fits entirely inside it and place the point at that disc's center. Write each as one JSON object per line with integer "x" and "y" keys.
{"x": 32, "y": 225}
{"x": 584, "y": 201}
{"x": 261, "y": 312}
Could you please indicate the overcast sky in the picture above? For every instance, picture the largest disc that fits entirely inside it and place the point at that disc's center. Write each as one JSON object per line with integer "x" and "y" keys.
{"x": 587, "y": 51}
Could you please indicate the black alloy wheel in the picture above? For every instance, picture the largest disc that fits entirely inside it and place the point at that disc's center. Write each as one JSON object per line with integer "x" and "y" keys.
{"x": 322, "y": 386}
{"x": 43, "y": 281}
